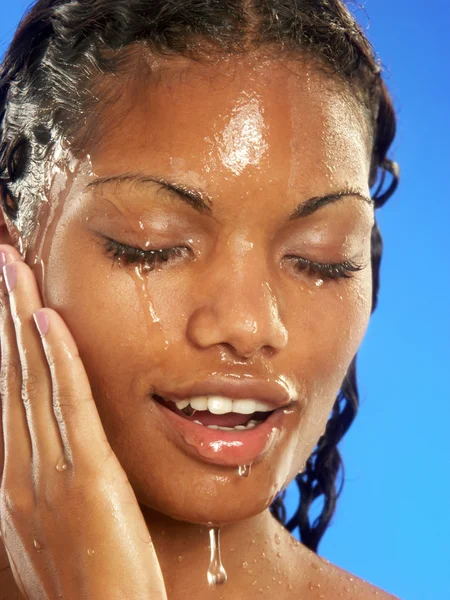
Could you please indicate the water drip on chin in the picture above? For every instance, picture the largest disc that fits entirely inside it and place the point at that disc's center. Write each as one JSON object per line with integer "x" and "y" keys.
{"x": 244, "y": 470}
{"x": 216, "y": 574}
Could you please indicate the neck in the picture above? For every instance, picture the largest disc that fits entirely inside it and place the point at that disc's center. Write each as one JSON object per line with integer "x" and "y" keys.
{"x": 251, "y": 550}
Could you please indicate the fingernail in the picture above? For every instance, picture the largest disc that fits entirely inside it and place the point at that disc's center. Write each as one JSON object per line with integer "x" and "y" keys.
{"x": 10, "y": 275}
{"x": 42, "y": 322}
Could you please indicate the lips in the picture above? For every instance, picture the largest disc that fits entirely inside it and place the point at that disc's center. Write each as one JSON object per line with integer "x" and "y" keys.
{"x": 231, "y": 448}
{"x": 228, "y": 448}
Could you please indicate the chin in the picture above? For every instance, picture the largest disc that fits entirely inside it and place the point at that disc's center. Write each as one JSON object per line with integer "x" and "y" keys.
{"x": 210, "y": 509}
{"x": 217, "y": 516}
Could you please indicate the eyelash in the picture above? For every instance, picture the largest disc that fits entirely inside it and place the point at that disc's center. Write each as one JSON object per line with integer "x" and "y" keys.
{"x": 327, "y": 270}
{"x": 131, "y": 255}
{"x": 151, "y": 258}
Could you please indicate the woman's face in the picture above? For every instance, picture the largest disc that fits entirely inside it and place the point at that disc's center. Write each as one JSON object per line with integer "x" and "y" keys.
{"x": 254, "y": 139}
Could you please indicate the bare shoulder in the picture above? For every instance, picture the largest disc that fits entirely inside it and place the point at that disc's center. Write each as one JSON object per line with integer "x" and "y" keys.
{"x": 318, "y": 578}
{"x": 349, "y": 586}
{"x": 8, "y": 586}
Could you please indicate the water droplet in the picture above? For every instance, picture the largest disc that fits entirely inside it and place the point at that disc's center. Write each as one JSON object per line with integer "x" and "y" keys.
{"x": 180, "y": 559}
{"x": 314, "y": 586}
{"x": 145, "y": 537}
{"x": 37, "y": 545}
{"x": 317, "y": 567}
{"x": 90, "y": 551}
{"x": 278, "y": 554}
{"x": 245, "y": 565}
{"x": 62, "y": 465}
{"x": 244, "y": 470}
{"x": 277, "y": 539}
{"x": 319, "y": 282}
{"x": 216, "y": 573}
{"x": 350, "y": 579}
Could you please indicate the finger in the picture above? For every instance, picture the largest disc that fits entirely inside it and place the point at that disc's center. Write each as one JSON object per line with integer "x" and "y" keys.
{"x": 16, "y": 435}
{"x": 16, "y": 254}
{"x": 36, "y": 389}
{"x": 15, "y": 573}
{"x": 81, "y": 428}
{"x": 2, "y": 450}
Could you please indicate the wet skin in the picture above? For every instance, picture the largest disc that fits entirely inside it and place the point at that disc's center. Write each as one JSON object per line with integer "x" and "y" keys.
{"x": 259, "y": 138}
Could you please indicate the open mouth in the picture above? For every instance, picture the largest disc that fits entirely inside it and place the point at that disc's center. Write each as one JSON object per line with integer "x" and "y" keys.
{"x": 230, "y": 421}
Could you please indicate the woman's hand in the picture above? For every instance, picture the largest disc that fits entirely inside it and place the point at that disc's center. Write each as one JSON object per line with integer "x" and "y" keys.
{"x": 70, "y": 521}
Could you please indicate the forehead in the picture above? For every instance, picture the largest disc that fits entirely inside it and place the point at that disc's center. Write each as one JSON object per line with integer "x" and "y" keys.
{"x": 241, "y": 118}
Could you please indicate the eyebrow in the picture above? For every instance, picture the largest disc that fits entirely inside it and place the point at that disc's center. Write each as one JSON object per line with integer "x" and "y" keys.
{"x": 201, "y": 201}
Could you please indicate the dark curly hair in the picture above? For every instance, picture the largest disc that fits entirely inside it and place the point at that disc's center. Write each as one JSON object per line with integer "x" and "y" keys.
{"x": 51, "y": 87}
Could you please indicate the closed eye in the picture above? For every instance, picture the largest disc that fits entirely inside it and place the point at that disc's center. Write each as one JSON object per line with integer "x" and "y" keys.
{"x": 130, "y": 255}
{"x": 344, "y": 269}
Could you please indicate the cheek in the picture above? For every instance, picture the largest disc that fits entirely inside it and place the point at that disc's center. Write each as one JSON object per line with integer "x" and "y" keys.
{"x": 127, "y": 324}
{"x": 330, "y": 324}
{"x": 356, "y": 302}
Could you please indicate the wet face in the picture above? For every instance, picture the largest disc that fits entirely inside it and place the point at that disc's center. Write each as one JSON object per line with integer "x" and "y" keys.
{"x": 247, "y": 143}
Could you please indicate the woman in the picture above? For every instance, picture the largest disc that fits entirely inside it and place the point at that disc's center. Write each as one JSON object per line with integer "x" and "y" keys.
{"x": 191, "y": 258}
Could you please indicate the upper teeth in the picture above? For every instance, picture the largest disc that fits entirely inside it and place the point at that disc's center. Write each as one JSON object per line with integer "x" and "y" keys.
{"x": 219, "y": 405}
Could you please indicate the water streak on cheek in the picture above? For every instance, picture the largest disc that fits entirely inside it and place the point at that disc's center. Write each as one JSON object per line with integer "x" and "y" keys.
{"x": 151, "y": 335}
{"x": 141, "y": 278}
{"x": 139, "y": 272}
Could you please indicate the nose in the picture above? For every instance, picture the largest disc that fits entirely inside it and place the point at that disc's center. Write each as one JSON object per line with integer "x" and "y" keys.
{"x": 238, "y": 310}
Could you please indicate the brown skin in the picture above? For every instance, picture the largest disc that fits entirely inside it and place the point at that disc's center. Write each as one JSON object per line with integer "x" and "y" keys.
{"x": 259, "y": 138}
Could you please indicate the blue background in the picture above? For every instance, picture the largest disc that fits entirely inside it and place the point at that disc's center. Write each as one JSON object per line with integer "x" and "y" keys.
{"x": 392, "y": 525}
